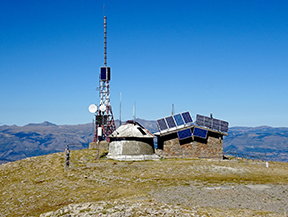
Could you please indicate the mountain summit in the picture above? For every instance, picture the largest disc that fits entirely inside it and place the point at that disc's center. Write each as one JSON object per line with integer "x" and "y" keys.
{"x": 45, "y": 123}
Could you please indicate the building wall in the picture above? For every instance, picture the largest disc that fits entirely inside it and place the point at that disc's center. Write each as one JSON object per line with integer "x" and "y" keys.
{"x": 130, "y": 147}
{"x": 212, "y": 147}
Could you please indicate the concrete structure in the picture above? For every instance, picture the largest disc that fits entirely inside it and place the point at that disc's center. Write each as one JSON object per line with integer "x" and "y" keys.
{"x": 132, "y": 141}
{"x": 192, "y": 147}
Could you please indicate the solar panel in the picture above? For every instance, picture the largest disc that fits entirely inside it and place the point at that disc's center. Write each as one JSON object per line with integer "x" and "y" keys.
{"x": 203, "y": 121}
{"x": 187, "y": 117}
{"x": 212, "y": 123}
{"x": 184, "y": 134}
{"x": 224, "y": 126}
{"x": 161, "y": 124}
{"x": 178, "y": 119}
{"x": 198, "y": 132}
{"x": 216, "y": 124}
{"x": 208, "y": 122}
{"x": 170, "y": 121}
{"x": 200, "y": 120}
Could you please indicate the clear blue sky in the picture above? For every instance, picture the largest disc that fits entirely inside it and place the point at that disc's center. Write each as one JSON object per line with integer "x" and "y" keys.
{"x": 225, "y": 57}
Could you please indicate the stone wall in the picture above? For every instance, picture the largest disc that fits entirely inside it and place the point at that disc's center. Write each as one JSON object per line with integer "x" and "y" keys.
{"x": 210, "y": 148}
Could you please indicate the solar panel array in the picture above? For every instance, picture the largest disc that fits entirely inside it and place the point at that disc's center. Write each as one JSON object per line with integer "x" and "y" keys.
{"x": 212, "y": 123}
{"x": 184, "y": 119}
{"x": 174, "y": 121}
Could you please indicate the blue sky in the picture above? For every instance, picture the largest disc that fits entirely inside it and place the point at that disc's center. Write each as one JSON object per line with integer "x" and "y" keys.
{"x": 224, "y": 57}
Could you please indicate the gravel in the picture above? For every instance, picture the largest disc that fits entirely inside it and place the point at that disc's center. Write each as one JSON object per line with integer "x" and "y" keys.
{"x": 136, "y": 207}
{"x": 271, "y": 198}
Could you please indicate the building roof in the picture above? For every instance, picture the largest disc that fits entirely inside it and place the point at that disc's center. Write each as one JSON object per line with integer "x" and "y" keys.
{"x": 131, "y": 129}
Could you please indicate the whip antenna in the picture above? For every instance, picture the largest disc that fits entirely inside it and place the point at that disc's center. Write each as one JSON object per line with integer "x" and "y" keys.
{"x": 105, "y": 37}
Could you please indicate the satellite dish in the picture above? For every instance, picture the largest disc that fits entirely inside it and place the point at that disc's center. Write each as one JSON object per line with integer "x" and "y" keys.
{"x": 102, "y": 108}
{"x": 93, "y": 108}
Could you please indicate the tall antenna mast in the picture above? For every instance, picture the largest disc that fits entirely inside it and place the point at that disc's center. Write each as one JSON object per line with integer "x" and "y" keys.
{"x": 120, "y": 109}
{"x": 105, "y": 124}
{"x": 105, "y": 37}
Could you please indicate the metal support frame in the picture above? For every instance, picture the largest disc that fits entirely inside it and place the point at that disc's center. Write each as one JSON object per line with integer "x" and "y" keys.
{"x": 104, "y": 93}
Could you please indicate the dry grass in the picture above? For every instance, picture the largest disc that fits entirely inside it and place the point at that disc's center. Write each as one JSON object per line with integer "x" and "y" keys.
{"x": 37, "y": 185}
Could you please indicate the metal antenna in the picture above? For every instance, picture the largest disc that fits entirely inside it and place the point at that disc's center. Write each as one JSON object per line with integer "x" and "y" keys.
{"x": 120, "y": 108}
{"x": 134, "y": 112}
{"x": 105, "y": 37}
{"x": 105, "y": 124}
{"x": 173, "y": 111}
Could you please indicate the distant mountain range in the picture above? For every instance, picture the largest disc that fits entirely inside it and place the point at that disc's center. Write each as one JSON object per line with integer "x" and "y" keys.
{"x": 259, "y": 140}
{"x": 17, "y": 142}
{"x": 39, "y": 139}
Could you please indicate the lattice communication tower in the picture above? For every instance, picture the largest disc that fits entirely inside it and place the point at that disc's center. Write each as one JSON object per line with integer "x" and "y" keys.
{"x": 104, "y": 121}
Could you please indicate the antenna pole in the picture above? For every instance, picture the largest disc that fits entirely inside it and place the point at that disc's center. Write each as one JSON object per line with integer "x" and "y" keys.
{"x": 105, "y": 38}
{"x": 134, "y": 112}
{"x": 120, "y": 108}
{"x": 173, "y": 111}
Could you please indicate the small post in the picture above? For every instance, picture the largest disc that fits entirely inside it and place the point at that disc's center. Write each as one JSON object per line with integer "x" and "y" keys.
{"x": 163, "y": 156}
{"x": 67, "y": 156}
{"x": 98, "y": 147}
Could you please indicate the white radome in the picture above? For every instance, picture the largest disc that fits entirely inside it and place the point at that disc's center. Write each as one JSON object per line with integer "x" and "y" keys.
{"x": 102, "y": 108}
{"x": 93, "y": 108}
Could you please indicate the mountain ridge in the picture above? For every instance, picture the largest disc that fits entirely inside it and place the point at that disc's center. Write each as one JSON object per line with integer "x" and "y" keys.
{"x": 18, "y": 142}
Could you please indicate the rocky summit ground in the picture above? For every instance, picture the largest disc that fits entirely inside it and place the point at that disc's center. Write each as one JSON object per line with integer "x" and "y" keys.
{"x": 40, "y": 186}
